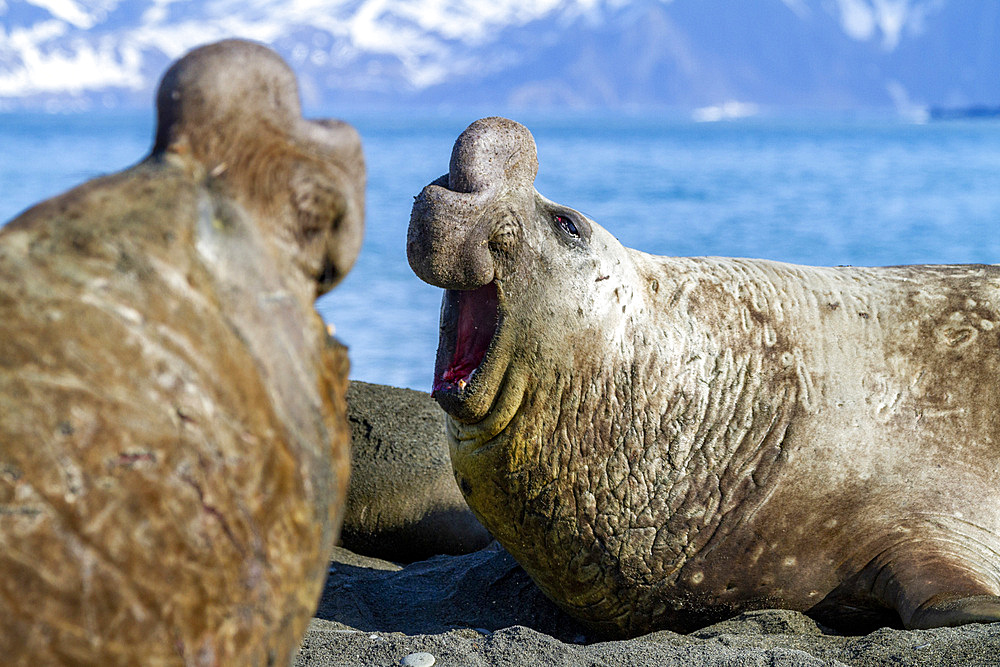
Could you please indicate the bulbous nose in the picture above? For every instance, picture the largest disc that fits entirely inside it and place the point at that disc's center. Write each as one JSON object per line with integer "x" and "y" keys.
{"x": 452, "y": 219}
{"x": 495, "y": 153}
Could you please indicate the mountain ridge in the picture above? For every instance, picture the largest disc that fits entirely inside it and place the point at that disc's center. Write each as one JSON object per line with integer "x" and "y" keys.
{"x": 670, "y": 54}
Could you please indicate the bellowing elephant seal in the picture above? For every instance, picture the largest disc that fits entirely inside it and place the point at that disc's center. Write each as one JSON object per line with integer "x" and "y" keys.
{"x": 662, "y": 442}
{"x": 173, "y": 441}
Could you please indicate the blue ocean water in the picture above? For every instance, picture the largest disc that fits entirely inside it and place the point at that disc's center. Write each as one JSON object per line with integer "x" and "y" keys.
{"x": 817, "y": 191}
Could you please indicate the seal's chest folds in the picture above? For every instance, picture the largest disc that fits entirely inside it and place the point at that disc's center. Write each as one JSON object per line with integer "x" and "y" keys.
{"x": 673, "y": 440}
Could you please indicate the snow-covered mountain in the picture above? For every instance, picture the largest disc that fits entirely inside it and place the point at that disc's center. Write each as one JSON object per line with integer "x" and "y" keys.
{"x": 684, "y": 54}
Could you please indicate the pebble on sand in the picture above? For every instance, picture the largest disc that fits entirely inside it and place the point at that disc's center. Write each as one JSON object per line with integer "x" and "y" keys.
{"x": 420, "y": 659}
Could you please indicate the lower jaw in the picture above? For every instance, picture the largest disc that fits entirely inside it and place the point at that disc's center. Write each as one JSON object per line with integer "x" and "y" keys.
{"x": 494, "y": 415}
{"x": 462, "y": 402}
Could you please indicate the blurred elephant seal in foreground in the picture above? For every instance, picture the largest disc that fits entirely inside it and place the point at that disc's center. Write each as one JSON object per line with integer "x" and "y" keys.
{"x": 403, "y": 504}
{"x": 664, "y": 442}
{"x": 173, "y": 441}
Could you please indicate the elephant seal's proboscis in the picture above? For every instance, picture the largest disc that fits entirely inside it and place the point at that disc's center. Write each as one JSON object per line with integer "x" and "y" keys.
{"x": 662, "y": 442}
{"x": 173, "y": 440}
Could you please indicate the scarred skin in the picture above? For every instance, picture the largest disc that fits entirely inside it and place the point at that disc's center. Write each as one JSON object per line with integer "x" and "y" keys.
{"x": 173, "y": 441}
{"x": 664, "y": 442}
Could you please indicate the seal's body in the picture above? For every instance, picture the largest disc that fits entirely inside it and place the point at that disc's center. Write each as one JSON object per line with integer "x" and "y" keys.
{"x": 662, "y": 442}
{"x": 403, "y": 504}
{"x": 173, "y": 441}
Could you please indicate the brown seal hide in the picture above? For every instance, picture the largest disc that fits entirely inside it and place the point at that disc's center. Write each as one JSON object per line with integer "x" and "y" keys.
{"x": 173, "y": 441}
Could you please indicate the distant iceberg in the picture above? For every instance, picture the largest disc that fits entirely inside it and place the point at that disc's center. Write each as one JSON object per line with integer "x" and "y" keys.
{"x": 730, "y": 110}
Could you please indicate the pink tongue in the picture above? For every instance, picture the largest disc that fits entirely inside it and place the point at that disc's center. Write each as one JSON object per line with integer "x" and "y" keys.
{"x": 477, "y": 322}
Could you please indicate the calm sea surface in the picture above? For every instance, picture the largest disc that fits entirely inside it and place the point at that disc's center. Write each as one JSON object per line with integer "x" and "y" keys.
{"x": 821, "y": 192}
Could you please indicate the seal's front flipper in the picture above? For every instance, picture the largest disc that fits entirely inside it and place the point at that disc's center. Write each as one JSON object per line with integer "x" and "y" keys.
{"x": 948, "y": 610}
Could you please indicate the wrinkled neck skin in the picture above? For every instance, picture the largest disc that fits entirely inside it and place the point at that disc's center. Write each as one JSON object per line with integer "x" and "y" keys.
{"x": 649, "y": 412}
{"x": 613, "y": 405}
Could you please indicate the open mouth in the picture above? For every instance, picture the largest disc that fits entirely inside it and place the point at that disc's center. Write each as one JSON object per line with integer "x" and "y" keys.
{"x": 470, "y": 321}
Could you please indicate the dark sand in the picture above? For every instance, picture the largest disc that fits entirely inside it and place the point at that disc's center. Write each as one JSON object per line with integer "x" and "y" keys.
{"x": 483, "y": 609}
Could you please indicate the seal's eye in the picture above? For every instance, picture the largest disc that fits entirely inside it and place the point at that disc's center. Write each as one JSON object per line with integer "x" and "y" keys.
{"x": 566, "y": 225}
